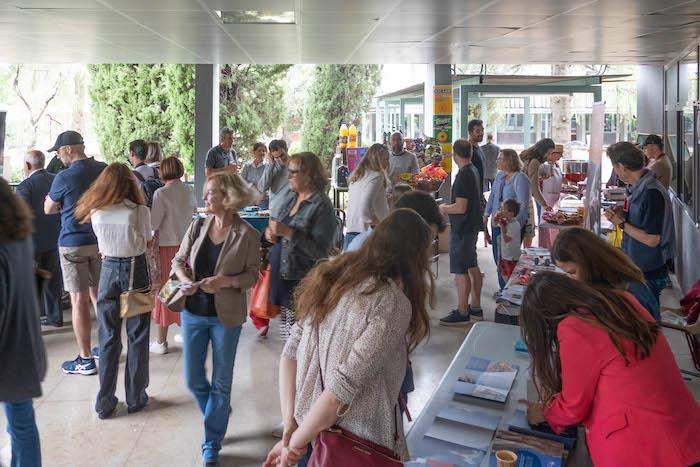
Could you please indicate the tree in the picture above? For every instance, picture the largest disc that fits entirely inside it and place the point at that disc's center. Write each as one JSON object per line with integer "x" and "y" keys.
{"x": 561, "y": 109}
{"x": 338, "y": 94}
{"x": 128, "y": 102}
{"x": 36, "y": 105}
{"x": 179, "y": 85}
{"x": 252, "y": 102}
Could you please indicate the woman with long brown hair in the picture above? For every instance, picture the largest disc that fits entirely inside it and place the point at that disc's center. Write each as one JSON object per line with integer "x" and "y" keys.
{"x": 21, "y": 349}
{"x": 587, "y": 257}
{"x": 115, "y": 206}
{"x": 599, "y": 358}
{"x": 367, "y": 202}
{"x": 532, "y": 158}
{"x": 359, "y": 316}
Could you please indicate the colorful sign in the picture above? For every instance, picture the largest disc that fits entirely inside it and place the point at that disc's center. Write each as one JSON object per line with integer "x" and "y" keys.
{"x": 353, "y": 157}
{"x": 442, "y": 99}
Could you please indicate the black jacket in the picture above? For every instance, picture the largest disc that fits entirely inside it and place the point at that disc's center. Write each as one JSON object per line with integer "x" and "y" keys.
{"x": 22, "y": 353}
{"x": 46, "y": 226}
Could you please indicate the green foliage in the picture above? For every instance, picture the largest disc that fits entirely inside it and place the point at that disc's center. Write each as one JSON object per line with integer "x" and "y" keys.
{"x": 252, "y": 102}
{"x": 338, "y": 94}
{"x": 179, "y": 85}
{"x": 128, "y": 102}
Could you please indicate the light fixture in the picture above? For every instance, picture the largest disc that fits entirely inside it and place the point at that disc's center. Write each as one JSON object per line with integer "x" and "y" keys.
{"x": 257, "y": 17}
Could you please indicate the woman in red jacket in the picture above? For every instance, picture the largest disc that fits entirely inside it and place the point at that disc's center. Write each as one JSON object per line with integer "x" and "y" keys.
{"x": 599, "y": 358}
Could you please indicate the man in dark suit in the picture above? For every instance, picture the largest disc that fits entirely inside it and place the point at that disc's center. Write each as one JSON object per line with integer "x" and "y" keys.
{"x": 33, "y": 190}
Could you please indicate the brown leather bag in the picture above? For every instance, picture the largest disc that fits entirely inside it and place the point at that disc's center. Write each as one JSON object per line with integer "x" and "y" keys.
{"x": 335, "y": 447}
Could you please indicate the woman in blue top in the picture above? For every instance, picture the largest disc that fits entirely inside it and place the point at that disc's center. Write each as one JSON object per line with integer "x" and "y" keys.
{"x": 589, "y": 258}
{"x": 510, "y": 182}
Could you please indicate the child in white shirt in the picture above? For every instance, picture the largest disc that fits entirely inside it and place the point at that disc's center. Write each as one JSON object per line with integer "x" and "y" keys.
{"x": 510, "y": 236}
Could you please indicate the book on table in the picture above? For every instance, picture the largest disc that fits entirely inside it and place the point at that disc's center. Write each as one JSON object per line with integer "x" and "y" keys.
{"x": 531, "y": 450}
{"x": 518, "y": 423}
{"x": 458, "y": 437}
{"x": 485, "y": 379}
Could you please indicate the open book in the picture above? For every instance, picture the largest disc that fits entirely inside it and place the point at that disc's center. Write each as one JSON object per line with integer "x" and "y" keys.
{"x": 486, "y": 379}
{"x": 530, "y": 450}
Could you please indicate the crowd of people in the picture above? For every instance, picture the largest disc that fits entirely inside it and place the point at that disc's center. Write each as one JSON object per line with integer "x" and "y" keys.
{"x": 350, "y": 320}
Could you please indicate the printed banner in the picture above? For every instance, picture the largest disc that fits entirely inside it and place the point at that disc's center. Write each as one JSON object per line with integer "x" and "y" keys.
{"x": 442, "y": 99}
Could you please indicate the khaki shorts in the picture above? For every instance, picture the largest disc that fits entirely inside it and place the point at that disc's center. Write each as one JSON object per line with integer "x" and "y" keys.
{"x": 80, "y": 266}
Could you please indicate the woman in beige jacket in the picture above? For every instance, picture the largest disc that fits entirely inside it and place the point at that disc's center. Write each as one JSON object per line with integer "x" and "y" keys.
{"x": 224, "y": 254}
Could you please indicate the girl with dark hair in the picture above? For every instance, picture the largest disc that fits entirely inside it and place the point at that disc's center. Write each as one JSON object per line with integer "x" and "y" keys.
{"x": 21, "y": 349}
{"x": 598, "y": 358}
{"x": 360, "y": 315}
{"x": 115, "y": 206}
{"x": 532, "y": 157}
{"x": 589, "y": 258}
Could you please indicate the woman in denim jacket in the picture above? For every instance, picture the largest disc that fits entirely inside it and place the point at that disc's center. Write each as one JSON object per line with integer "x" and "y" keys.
{"x": 302, "y": 234}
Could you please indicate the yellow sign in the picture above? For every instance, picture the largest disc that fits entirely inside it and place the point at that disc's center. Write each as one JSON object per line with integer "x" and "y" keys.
{"x": 442, "y": 99}
{"x": 446, "y": 157}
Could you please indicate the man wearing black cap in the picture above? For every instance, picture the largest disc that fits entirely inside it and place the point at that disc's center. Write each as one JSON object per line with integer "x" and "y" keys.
{"x": 658, "y": 162}
{"x": 77, "y": 244}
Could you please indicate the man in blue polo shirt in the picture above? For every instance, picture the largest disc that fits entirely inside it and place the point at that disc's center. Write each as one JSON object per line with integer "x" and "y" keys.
{"x": 222, "y": 157}
{"x": 648, "y": 233}
{"x": 77, "y": 244}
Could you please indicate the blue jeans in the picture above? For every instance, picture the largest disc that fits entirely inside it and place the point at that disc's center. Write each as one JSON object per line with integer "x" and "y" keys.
{"x": 24, "y": 435}
{"x": 114, "y": 279}
{"x": 495, "y": 247}
{"x": 213, "y": 398}
{"x": 656, "y": 286}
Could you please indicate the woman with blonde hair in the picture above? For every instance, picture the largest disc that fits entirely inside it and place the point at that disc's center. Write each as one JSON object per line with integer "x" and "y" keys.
{"x": 359, "y": 317}
{"x": 154, "y": 156}
{"x": 367, "y": 202}
{"x": 115, "y": 206}
{"x": 171, "y": 214}
{"x": 223, "y": 252}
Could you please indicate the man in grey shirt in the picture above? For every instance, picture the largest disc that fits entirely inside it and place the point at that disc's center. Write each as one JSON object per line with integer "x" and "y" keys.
{"x": 137, "y": 157}
{"x": 490, "y": 152}
{"x": 222, "y": 157}
{"x": 400, "y": 160}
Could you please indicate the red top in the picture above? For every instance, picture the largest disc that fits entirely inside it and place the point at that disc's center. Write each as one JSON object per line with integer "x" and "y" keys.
{"x": 641, "y": 414}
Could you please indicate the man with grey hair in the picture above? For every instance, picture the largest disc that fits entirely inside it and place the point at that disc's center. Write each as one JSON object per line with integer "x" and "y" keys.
{"x": 222, "y": 157}
{"x": 77, "y": 245}
{"x": 400, "y": 160}
{"x": 33, "y": 190}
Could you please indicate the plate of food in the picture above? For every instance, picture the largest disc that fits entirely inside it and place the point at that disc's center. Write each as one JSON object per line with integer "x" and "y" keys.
{"x": 563, "y": 218}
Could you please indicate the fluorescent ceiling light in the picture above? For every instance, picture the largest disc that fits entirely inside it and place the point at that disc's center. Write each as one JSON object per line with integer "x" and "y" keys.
{"x": 257, "y": 17}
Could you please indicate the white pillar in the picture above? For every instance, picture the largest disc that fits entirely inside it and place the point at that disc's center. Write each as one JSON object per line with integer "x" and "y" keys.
{"x": 206, "y": 119}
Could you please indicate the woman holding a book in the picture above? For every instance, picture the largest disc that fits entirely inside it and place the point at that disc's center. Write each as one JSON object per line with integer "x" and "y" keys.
{"x": 599, "y": 358}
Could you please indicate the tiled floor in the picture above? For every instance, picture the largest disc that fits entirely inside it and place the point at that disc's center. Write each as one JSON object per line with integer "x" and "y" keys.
{"x": 169, "y": 431}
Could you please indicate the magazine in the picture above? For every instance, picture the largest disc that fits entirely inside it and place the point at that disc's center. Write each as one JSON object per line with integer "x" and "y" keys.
{"x": 519, "y": 424}
{"x": 486, "y": 379}
{"x": 530, "y": 450}
{"x": 438, "y": 453}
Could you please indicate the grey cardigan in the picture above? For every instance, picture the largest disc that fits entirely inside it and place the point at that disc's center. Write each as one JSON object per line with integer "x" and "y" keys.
{"x": 22, "y": 353}
{"x": 275, "y": 180}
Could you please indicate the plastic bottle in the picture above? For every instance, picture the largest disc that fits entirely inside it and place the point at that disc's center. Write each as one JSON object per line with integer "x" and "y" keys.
{"x": 343, "y": 136}
{"x": 352, "y": 140}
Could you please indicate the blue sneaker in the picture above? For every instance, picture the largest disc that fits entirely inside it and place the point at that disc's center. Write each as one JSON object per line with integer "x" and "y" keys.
{"x": 477, "y": 314}
{"x": 455, "y": 318}
{"x": 80, "y": 366}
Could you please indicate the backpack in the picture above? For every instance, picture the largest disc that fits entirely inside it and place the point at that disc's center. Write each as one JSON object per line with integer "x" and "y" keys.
{"x": 150, "y": 186}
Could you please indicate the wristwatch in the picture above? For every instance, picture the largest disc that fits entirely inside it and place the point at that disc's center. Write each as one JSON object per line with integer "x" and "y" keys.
{"x": 621, "y": 225}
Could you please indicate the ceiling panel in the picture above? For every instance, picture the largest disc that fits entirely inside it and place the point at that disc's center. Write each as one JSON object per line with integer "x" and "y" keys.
{"x": 362, "y": 31}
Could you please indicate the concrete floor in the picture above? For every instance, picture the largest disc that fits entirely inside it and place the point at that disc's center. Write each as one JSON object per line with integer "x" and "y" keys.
{"x": 169, "y": 431}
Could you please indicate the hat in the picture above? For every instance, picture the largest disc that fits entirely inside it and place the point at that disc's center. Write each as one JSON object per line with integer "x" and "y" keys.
{"x": 67, "y": 138}
{"x": 559, "y": 148}
{"x": 654, "y": 139}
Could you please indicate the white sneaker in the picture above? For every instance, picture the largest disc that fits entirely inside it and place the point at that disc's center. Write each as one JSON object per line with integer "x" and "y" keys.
{"x": 157, "y": 348}
{"x": 278, "y": 431}
{"x": 178, "y": 338}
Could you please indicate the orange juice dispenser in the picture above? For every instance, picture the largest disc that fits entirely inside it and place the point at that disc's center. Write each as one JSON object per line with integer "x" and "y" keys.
{"x": 352, "y": 136}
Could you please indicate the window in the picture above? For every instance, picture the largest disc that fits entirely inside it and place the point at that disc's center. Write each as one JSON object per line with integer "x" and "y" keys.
{"x": 671, "y": 123}
{"x": 514, "y": 122}
{"x": 610, "y": 123}
{"x": 688, "y": 95}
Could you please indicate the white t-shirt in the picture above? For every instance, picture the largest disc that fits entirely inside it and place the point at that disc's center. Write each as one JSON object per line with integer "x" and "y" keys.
{"x": 122, "y": 230}
{"x": 511, "y": 250}
{"x": 366, "y": 199}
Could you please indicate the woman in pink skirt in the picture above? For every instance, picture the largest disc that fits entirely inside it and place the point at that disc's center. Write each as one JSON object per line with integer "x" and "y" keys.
{"x": 171, "y": 214}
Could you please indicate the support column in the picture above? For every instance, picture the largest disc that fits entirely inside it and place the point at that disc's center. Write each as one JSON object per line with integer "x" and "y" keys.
{"x": 650, "y": 99}
{"x": 463, "y": 112}
{"x": 378, "y": 124}
{"x": 527, "y": 122}
{"x": 206, "y": 118}
{"x": 437, "y": 108}
{"x": 402, "y": 115}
